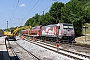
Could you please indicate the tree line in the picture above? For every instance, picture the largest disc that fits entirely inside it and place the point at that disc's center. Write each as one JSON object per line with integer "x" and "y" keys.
{"x": 76, "y": 12}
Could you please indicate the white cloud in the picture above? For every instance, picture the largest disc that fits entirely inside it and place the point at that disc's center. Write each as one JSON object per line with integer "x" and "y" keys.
{"x": 22, "y": 5}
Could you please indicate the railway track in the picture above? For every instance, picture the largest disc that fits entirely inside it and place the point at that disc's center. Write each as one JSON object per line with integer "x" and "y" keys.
{"x": 29, "y": 52}
{"x": 62, "y": 51}
{"x": 12, "y": 54}
{"x": 21, "y": 52}
{"x": 66, "y": 50}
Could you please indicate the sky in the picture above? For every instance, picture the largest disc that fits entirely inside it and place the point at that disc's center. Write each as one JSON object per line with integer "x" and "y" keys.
{"x": 17, "y": 12}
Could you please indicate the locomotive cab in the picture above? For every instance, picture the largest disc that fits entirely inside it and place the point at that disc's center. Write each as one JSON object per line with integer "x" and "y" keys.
{"x": 66, "y": 32}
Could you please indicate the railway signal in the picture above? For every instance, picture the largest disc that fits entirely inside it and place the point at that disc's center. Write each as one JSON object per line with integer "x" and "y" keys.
{"x": 85, "y": 27}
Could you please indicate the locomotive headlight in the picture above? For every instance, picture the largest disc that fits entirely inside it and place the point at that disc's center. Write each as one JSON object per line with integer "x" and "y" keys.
{"x": 72, "y": 33}
{"x": 64, "y": 33}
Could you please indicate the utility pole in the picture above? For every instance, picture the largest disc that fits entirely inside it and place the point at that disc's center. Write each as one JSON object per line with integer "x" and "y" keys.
{"x": 43, "y": 13}
{"x": 7, "y": 24}
{"x": 43, "y": 19}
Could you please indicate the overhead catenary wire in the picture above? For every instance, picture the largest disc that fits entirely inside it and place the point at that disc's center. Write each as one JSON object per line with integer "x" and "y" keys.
{"x": 49, "y": 6}
{"x": 44, "y": 9}
{"x": 25, "y": 12}
{"x": 8, "y": 15}
{"x": 27, "y": 7}
{"x": 15, "y": 9}
{"x": 31, "y": 9}
{"x": 38, "y": 5}
{"x": 3, "y": 18}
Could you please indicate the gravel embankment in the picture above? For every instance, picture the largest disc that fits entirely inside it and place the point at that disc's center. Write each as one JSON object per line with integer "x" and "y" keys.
{"x": 42, "y": 53}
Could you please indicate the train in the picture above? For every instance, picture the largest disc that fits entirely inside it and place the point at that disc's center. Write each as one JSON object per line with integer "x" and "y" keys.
{"x": 60, "y": 31}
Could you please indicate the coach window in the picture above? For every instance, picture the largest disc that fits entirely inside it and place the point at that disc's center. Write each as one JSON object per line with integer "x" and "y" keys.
{"x": 34, "y": 27}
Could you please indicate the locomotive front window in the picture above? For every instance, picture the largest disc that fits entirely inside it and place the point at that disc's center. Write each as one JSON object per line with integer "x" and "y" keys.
{"x": 71, "y": 27}
{"x": 67, "y": 26}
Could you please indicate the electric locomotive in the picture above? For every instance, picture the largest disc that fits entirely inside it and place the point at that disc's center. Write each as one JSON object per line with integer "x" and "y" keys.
{"x": 61, "y": 31}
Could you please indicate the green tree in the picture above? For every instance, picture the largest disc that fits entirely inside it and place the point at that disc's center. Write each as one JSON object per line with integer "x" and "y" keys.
{"x": 55, "y": 10}
{"x": 76, "y": 12}
{"x": 87, "y": 12}
{"x": 73, "y": 12}
{"x": 46, "y": 19}
{"x": 33, "y": 21}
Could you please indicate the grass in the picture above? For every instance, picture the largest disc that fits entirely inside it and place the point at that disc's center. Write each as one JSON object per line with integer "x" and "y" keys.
{"x": 80, "y": 41}
{"x": 82, "y": 45}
